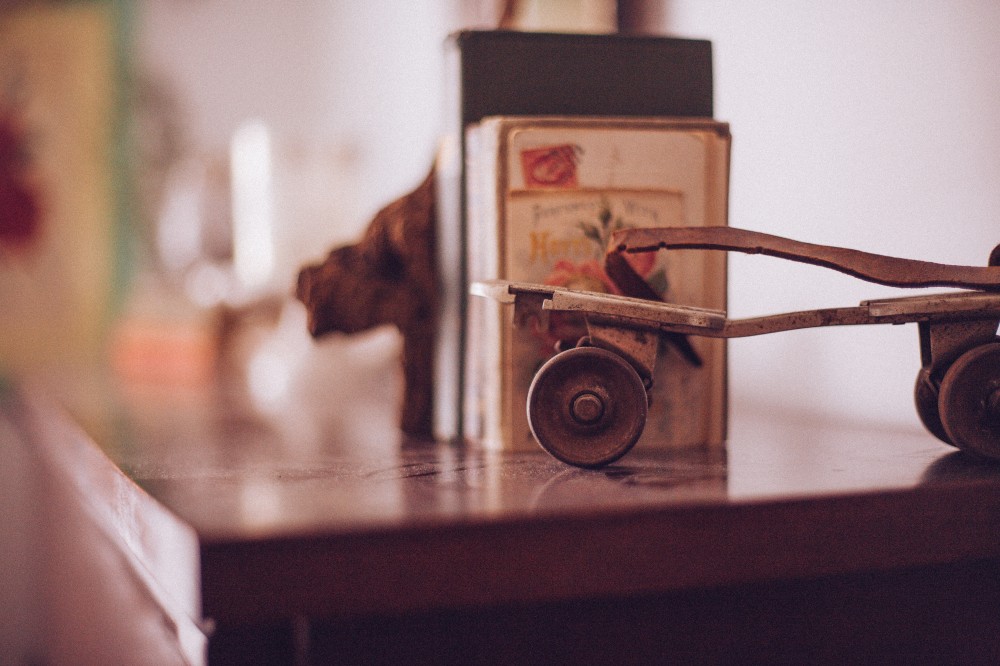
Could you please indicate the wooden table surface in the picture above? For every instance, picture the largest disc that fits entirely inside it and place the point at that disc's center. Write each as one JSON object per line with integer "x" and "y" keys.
{"x": 347, "y": 520}
{"x": 327, "y": 532}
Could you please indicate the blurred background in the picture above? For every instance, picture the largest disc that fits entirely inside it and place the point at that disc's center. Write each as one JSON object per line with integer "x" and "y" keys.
{"x": 260, "y": 134}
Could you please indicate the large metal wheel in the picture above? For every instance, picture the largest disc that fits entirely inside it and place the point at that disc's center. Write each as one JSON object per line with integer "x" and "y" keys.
{"x": 970, "y": 401}
{"x": 587, "y": 406}
{"x": 927, "y": 398}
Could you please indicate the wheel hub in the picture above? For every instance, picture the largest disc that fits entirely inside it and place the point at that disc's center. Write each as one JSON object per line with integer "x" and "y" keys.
{"x": 587, "y": 408}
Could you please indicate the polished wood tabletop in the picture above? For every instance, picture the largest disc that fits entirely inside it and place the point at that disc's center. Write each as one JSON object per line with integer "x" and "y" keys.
{"x": 338, "y": 514}
{"x": 318, "y": 508}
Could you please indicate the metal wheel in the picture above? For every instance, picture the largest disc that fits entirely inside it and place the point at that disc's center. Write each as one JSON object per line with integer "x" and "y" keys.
{"x": 926, "y": 396}
{"x": 587, "y": 406}
{"x": 970, "y": 401}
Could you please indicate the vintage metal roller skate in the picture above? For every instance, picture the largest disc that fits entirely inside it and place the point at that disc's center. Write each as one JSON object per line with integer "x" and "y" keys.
{"x": 587, "y": 405}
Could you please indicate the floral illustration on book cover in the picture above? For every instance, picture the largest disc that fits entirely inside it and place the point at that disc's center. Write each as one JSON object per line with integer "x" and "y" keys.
{"x": 561, "y": 240}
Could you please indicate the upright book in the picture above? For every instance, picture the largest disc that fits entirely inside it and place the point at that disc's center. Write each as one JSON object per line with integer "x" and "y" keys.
{"x": 509, "y": 73}
{"x": 544, "y": 195}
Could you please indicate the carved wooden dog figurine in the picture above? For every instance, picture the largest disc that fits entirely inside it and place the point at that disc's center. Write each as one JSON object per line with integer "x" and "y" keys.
{"x": 388, "y": 277}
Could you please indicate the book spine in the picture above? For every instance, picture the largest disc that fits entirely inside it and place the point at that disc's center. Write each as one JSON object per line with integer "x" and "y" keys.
{"x": 449, "y": 249}
{"x": 484, "y": 357}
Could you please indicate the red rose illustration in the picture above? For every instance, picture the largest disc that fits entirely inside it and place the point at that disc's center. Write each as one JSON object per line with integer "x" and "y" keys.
{"x": 565, "y": 327}
{"x": 586, "y": 276}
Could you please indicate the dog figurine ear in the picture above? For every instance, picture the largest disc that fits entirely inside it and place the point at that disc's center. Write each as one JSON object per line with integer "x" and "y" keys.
{"x": 388, "y": 277}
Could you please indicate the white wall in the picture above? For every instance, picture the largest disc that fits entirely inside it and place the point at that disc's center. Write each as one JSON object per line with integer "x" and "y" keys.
{"x": 351, "y": 93}
{"x": 871, "y": 125}
{"x": 349, "y": 89}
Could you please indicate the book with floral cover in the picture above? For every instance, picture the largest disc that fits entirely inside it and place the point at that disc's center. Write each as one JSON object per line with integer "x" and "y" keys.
{"x": 544, "y": 196}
